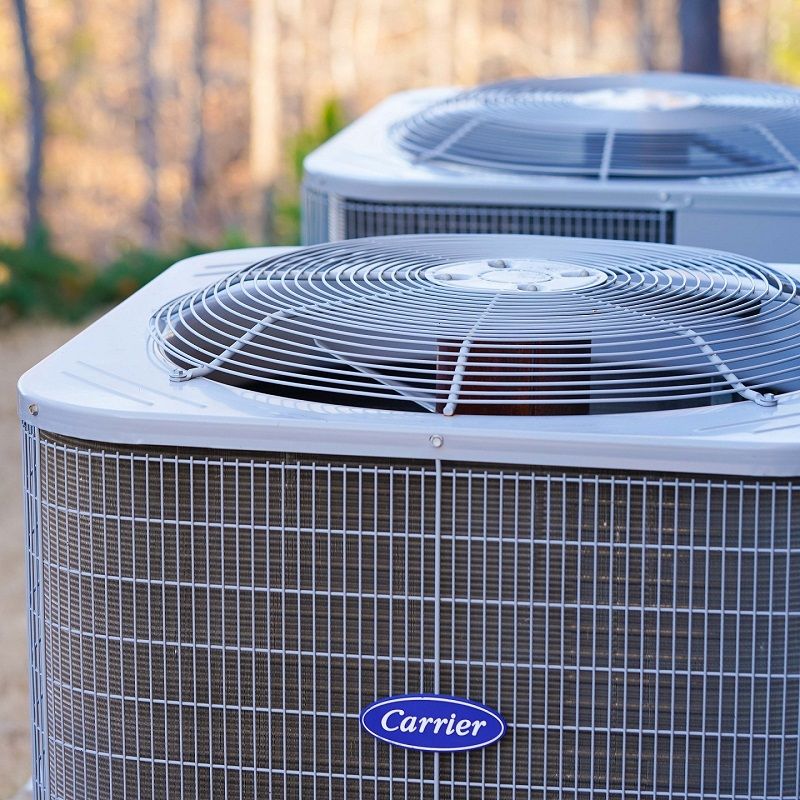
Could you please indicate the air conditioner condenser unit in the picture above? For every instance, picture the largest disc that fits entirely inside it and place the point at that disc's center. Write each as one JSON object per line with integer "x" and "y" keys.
{"x": 433, "y": 516}
{"x": 685, "y": 159}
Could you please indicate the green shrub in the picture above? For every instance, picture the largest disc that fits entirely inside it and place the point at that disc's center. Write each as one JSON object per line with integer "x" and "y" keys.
{"x": 38, "y": 280}
{"x": 786, "y": 48}
{"x": 131, "y": 270}
{"x": 41, "y": 282}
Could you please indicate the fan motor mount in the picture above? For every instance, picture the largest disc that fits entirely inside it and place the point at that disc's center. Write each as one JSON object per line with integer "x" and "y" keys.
{"x": 637, "y": 99}
{"x": 517, "y": 275}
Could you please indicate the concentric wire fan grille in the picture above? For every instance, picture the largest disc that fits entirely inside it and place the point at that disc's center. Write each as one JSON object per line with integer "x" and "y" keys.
{"x": 647, "y": 125}
{"x": 494, "y": 324}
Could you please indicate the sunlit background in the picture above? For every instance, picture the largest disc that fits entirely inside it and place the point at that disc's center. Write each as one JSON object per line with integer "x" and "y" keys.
{"x": 175, "y": 120}
{"x": 135, "y": 131}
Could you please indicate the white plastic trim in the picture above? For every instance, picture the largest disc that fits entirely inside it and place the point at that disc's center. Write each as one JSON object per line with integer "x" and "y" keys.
{"x": 107, "y": 384}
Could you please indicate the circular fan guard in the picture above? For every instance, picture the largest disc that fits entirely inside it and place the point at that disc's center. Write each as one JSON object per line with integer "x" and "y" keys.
{"x": 627, "y": 126}
{"x": 368, "y": 323}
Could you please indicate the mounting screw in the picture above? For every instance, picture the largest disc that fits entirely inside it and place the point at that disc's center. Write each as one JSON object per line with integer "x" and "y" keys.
{"x": 527, "y": 287}
{"x": 437, "y": 440}
{"x": 498, "y": 263}
{"x": 770, "y": 398}
{"x": 34, "y": 409}
{"x": 445, "y": 276}
{"x": 663, "y": 197}
{"x": 178, "y": 374}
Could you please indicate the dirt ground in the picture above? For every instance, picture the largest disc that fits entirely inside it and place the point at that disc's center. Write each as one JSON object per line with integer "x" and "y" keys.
{"x": 20, "y": 347}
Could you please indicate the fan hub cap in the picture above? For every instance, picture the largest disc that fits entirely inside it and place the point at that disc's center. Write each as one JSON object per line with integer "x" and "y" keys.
{"x": 517, "y": 275}
{"x": 637, "y": 99}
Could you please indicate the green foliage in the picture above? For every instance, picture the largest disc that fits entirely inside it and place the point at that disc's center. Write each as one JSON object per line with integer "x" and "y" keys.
{"x": 11, "y": 102}
{"x": 79, "y": 48}
{"x": 234, "y": 239}
{"x": 786, "y": 51}
{"x": 131, "y": 270}
{"x": 38, "y": 281}
{"x": 331, "y": 121}
{"x": 287, "y": 210}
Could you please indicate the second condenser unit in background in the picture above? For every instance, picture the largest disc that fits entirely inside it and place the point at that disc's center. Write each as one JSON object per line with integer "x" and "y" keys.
{"x": 681, "y": 159}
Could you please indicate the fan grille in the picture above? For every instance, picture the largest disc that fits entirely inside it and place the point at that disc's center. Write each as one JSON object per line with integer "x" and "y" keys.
{"x": 624, "y": 126}
{"x": 470, "y": 324}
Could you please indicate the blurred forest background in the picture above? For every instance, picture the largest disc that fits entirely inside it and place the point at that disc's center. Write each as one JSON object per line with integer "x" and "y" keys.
{"x": 132, "y": 131}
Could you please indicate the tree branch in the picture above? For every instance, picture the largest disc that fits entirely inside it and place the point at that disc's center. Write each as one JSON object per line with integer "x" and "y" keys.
{"x": 36, "y": 132}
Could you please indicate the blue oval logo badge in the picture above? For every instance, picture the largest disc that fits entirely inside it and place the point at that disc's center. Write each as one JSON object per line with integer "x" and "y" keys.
{"x": 433, "y": 722}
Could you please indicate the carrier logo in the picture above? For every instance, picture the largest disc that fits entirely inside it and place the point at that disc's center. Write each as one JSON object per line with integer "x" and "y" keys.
{"x": 433, "y": 722}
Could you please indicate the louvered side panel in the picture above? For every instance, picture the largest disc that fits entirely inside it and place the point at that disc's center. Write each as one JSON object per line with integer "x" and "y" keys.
{"x": 211, "y": 624}
{"x": 314, "y": 222}
{"x": 214, "y": 625}
{"x": 362, "y": 218}
{"x": 641, "y": 634}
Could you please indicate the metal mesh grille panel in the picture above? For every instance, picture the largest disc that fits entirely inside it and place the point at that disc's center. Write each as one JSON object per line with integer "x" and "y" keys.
{"x": 314, "y": 222}
{"x": 214, "y": 622}
{"x": 360, "y": 219}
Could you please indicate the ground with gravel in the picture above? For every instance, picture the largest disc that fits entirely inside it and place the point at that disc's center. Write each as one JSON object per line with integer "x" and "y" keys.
{"x": 21, "y": 346}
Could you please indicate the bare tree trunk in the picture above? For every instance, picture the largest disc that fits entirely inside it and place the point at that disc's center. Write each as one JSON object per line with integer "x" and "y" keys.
{"x": 148, "y": 120}
{"x": 197, "y": 159}
{"x": 440, "y": 56}
{"x": 645, "y": 35}
{"x": 33, "y": 177}
{"x": 367, "y": 37}
{"x": 589, "y": 11}
{"x": 343, "y": 67}
{"x": 467, "y": 31}
{"x": 699, "y": 24}
{"x": 265, "y": 108}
